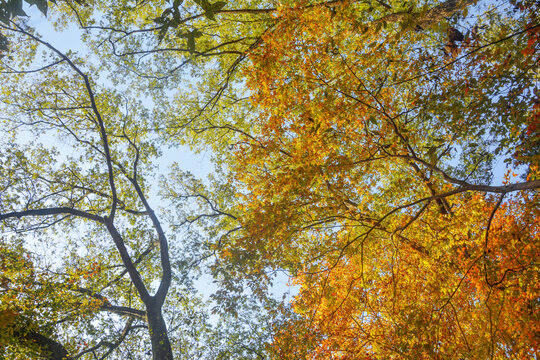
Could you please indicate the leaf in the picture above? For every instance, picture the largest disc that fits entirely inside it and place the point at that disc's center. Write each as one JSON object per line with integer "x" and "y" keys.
{"x": 42, "y": 5}
{"x": 211, "y": 9}
{"x": 162, "y": 32}
{"x": 217, "y": 6}
{"x": 432, "y": 155}
{"x": 209, "y": 14}
{"x": 191, "y": 43}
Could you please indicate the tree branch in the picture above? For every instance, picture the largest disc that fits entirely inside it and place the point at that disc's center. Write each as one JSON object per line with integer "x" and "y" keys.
{"x": 95, "y": 110}
{"x": 53, "y": 211}
{"x": 50, "y": 349}
{"x": 134, "y": 274}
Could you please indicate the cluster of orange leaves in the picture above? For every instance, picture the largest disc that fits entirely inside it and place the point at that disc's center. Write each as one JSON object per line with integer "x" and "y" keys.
{"x": 325, "y": 169}
{"x": 436, "y": 290}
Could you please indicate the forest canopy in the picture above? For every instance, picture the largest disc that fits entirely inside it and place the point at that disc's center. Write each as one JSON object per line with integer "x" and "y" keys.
{"x": 382, "y": 156}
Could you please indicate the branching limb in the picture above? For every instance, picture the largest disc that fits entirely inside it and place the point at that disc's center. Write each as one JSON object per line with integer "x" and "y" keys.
{"x": 95, "y": 110}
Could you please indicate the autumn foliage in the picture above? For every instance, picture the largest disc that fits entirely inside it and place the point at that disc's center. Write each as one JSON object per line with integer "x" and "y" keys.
{"x": 368, "y": 177}
{"x": 435, "y": 290}
{"x": 383, "y": 154}
{"x": 33, "y": 302}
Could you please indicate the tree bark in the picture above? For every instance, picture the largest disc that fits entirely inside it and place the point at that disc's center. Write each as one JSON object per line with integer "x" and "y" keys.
{"x": 49, "y": 348}
{"x": 161, "y": 346}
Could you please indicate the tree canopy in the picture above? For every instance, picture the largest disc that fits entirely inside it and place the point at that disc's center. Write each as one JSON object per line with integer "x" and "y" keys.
{"x": 384, "y": 155}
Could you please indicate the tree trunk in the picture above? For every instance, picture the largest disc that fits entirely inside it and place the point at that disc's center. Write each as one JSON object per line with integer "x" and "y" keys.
{"x": 161, "y": 346}
{"x": 49, "y": 349}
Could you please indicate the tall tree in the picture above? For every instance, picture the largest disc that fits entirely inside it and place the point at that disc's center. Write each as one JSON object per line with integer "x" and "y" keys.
{"x": 367, "y": 174}
{"x": 102, "y": 192}
{"x": 90, "y": 267}
{"x": 358, "y": 158}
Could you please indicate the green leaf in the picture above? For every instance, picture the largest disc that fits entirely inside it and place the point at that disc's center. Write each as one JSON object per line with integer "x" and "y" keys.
{"x": 211, "y": 9}
{"x": 217, "y": 6}
{"x": 191, "y": 43}
{"x": 14, "y": 8}
{"x": 41, "y": 5}
{"x": 209, "y": 14}
{"x": 162, "y": 32}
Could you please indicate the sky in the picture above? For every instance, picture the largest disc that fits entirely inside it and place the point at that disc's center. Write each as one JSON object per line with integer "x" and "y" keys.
{"x": 199, "y": 164}
{"x": 70, "y": 40}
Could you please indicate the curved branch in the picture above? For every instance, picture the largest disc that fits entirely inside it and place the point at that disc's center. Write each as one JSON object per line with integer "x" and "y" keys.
{"x": 107, "y": 306}
{"x": 49, "y": 349}
{"x": 166, "y": 277}
{"x": 488, "y": 227}
{"x": 134, "y": 274}
{"x": 502, "y": 189}
{"x": 95, "y": 109}
{"x": 53, "y": 211}
{"x": 125, "y": 311}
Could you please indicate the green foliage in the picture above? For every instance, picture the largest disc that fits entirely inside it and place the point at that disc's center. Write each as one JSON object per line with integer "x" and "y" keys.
{"x": 78, "y": 156}
{"x": 349, "y": 140}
